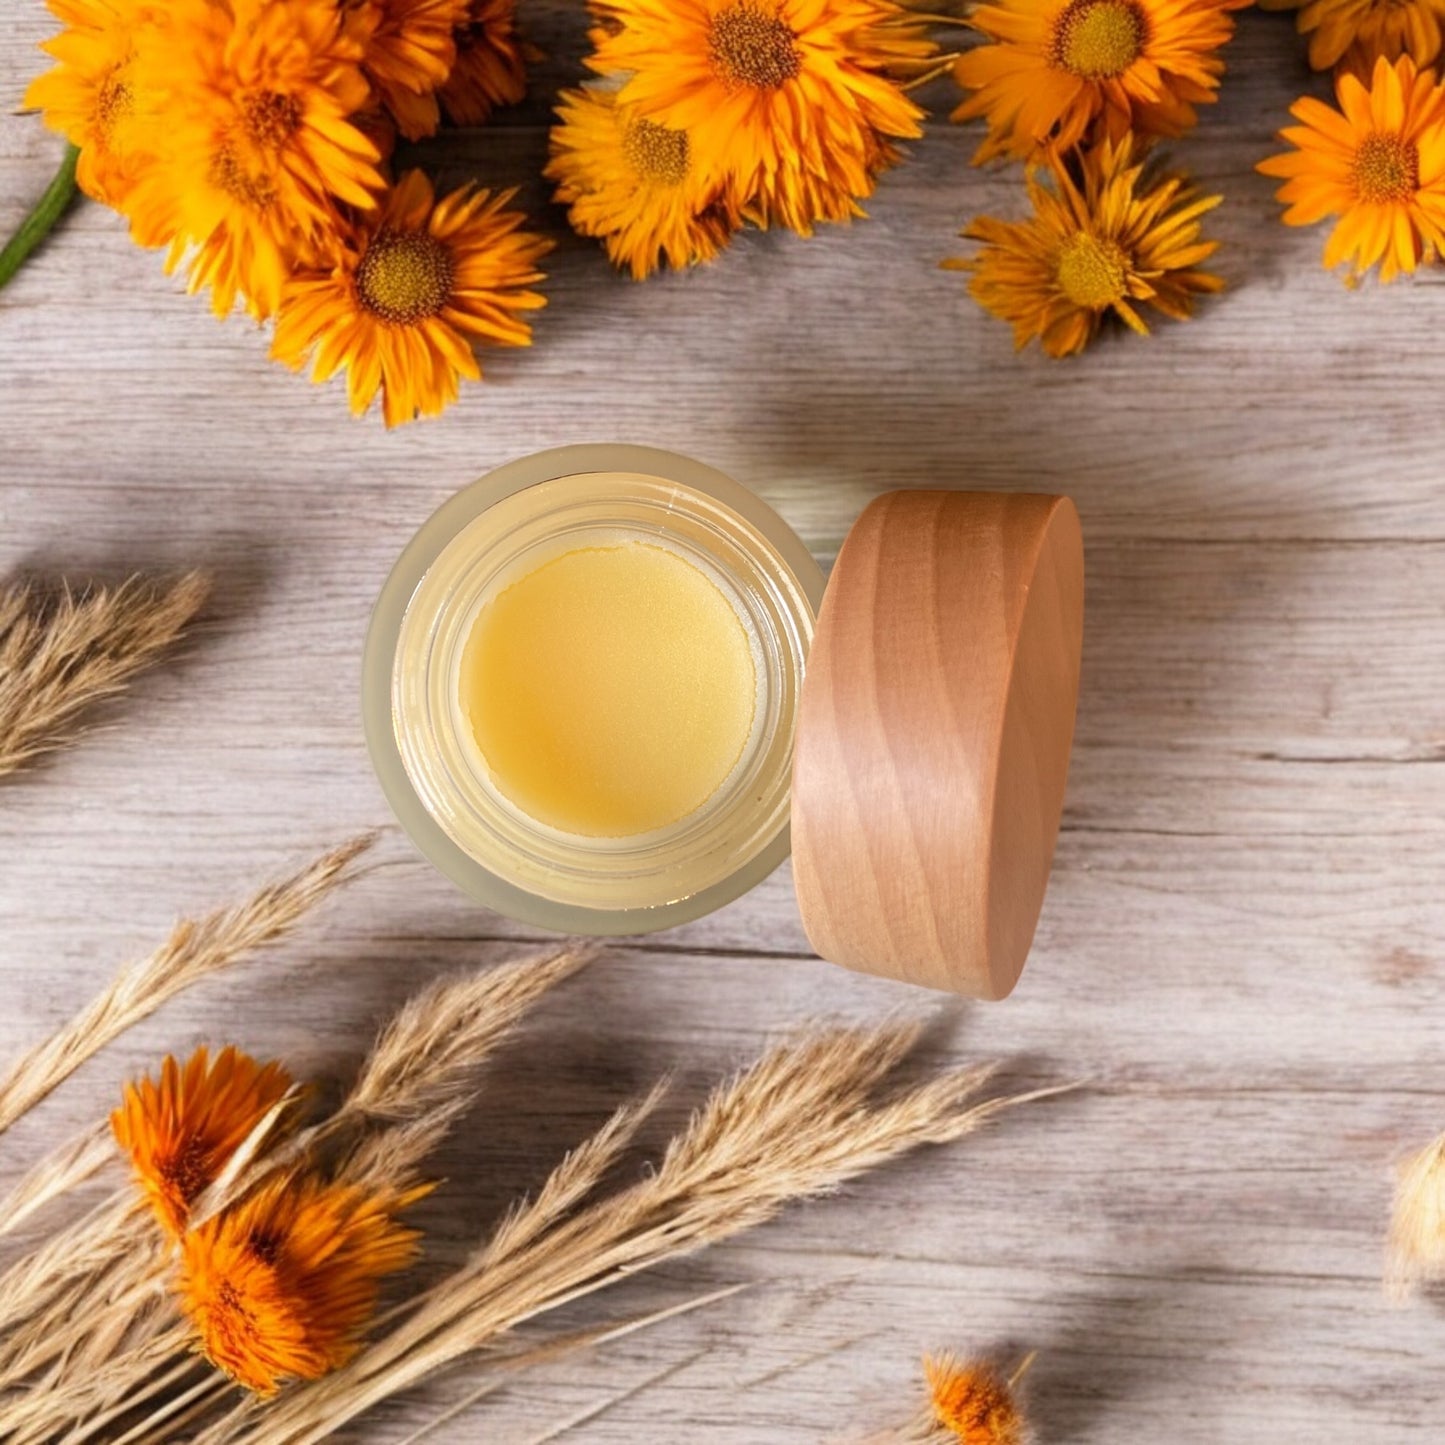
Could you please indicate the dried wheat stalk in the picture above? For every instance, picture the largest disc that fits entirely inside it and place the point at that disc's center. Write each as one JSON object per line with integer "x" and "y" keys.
{"x": 44, "y": 1312}
{"x": 1415, "y": 1251}
{"x": 111, "y": 1274}
{"x": 109, "y": 1230}
{"x": 195, "y": 950}
{"x": 58, "y": 1173}
{"x": 59, "y": 654}
{"x": 410, "y": 1089}
{"x": 419, "y": 1073}
{"x": 801, "y": 1121}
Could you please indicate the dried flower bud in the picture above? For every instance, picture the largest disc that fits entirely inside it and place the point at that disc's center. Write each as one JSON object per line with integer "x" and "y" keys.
{"x": 975, "y": 1401}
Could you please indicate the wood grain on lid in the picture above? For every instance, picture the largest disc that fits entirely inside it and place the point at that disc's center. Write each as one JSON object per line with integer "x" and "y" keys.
{"x": 933, "y": 742}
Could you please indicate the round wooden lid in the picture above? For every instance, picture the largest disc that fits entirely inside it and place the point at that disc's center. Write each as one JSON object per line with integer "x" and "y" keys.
{"x": 933, "y": 741}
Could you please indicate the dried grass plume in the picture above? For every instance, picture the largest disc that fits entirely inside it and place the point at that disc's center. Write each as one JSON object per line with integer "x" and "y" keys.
{"x": 1415, "y": 1252}
{"x": 195, "y": 950}
{"x": 61, "y": 652}
{"x": 805, "y": 1118}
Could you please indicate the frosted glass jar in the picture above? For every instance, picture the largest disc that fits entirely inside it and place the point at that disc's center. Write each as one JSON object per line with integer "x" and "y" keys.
{"x": 500, "y": 528}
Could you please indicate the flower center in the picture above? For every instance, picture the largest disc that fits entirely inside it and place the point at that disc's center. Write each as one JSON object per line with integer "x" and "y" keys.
{"x": 1096, "y": 39}
{"x": 656, "y": 152}
{"x": 750, "y": 46}
{"x": 1387, "y": 168}
{"x": 264, "y": 1245}
{"x": 1091, "y": 272}
{"x": 229, "y": 175}
{"x": 186, "y": 1170}
{"x": 270, "y": 117}
{"x": 114, "y": 102}
{"x": 405, "y": 276}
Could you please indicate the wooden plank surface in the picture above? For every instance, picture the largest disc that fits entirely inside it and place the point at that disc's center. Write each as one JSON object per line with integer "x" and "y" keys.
{"x": 1243, "y": 942}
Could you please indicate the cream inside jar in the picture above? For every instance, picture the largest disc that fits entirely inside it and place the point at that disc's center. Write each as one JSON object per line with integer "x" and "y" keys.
{"x": 610, "y": 689}
{"x": 582, "y": 683}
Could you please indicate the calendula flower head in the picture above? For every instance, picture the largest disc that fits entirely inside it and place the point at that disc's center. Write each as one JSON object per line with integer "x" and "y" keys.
{"x": 1417, "y": 1226}
{"x": 409, "y": 48}
{"x": 1059, "y": 71}
{"x": 634, "y": 182}
{"x": 490, "y": 69}
{"x": 281, "y": 1286}
{"x": 93, "y": 96}
{"x": 1106, "y": 237}
{"x": 257, "y": 100}
{"x": 180, "y": 1130}
{"x": 408, "y": 292}
{"x": 1354, "y": 34}
{"x": 785, "y": 101}
{"x": 974, "y": 1401}
{"x": 1375, "y": 163}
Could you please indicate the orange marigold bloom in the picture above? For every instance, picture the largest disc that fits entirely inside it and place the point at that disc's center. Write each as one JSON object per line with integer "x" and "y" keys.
{"x": 634, "y": 183}
{"x": 1376, "y": 164}
{"x": 409, "y": 50}
{"x": 1356, "y": 33}
{"x": 490, "y": 69}
{"x": 1057, "y": 69}
{"x": 787, "y": 101}
{"x": 257, "y": 97}
{"x": 180, "y": 1131}
{"x": 281, "y": 1286}
{"x": 92, "y": 96}
{"x": 408, "y": 292}
{"x": 974, "y": 1401}
{"x": 1106, "y": 237}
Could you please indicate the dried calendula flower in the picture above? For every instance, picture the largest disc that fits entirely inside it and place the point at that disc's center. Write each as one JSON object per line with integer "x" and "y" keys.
{"x": 1416, "y": 1248}
{"x": 974, "y": 1401}
{"x": 281, "y": 1286}
{"x": 181, "y": 1130}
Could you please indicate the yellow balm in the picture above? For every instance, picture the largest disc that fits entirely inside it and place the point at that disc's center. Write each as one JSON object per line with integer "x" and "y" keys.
{"x": 611, "y": 690}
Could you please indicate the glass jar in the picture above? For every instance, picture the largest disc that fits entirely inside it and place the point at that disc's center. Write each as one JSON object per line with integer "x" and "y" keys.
{"x": 504, "y": 527}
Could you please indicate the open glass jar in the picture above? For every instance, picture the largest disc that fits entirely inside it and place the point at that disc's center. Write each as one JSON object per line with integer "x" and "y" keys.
{"x": 916, "y": 763}
{"x": 501, "y": 529}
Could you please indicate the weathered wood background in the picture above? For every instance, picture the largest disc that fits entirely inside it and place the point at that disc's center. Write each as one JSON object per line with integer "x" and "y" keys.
{"x": 1244, "y": 944}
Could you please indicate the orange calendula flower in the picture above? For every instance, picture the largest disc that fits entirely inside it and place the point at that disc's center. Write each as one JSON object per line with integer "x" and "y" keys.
{"x": 1356, "y": 33}
{"x": 974, "y": 1401}
{"x": 1056, "y": 69}
{"x": 409, "y": 292}
{"x": 787, "y": 101}
{"x": 633, "y": 182}
{"x": 1105, "y": 238}
{"x": 281, "y": 1286}
{"x": 181, "y": 1130}
{"x": 490, "y": 69}
{"x": 409, "y": 50}
{"x": 1376, "y": 164}
{"x": 257, "y": 100}
{"x": 92, "y": 96}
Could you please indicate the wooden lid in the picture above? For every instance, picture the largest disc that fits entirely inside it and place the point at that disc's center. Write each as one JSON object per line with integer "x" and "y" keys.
{"x": 933, "y": 741}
